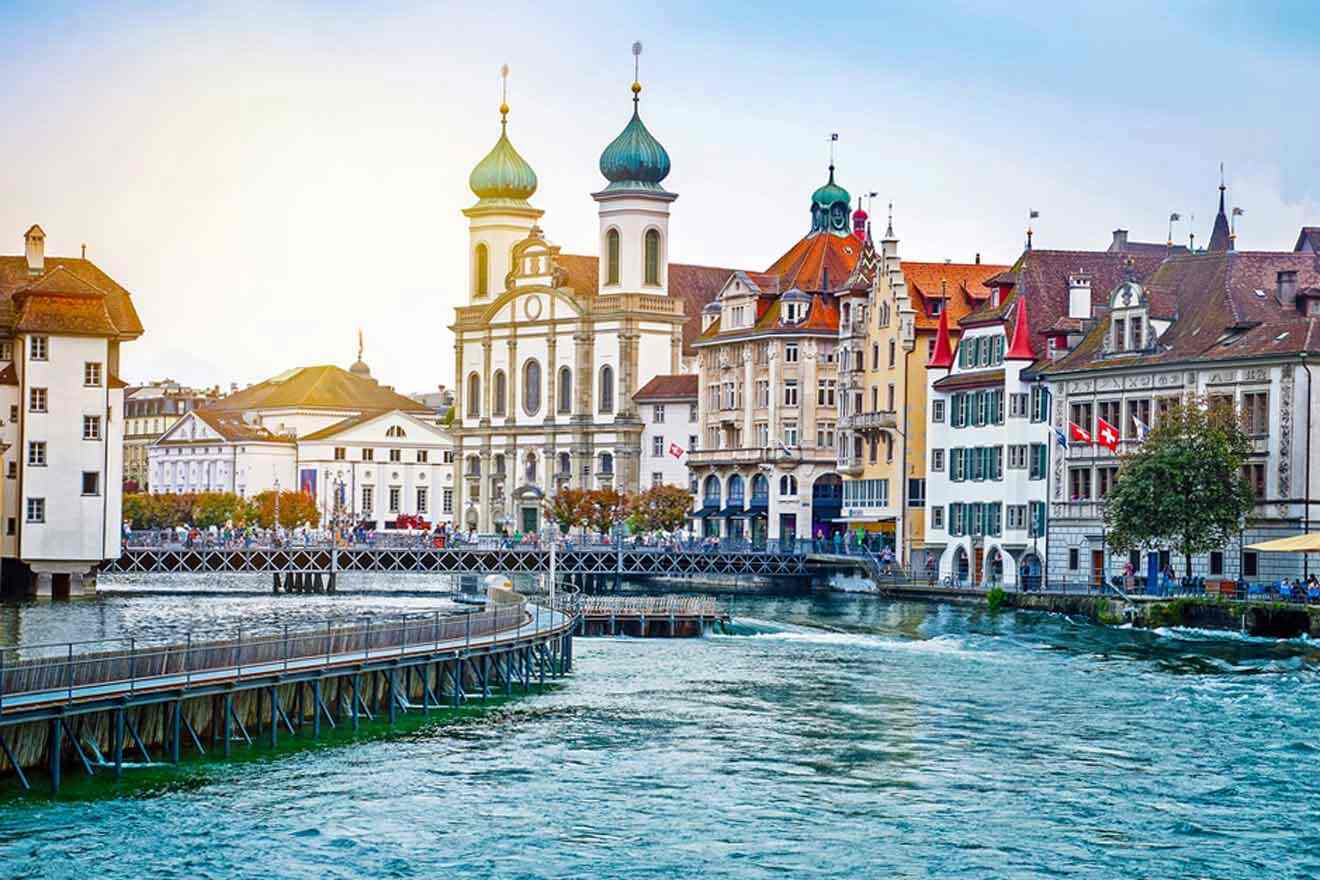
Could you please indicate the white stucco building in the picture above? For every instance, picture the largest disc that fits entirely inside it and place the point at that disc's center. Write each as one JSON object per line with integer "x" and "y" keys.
{"x": 670, "y": 424}
{"x": 356, "y": 446}
{"x": 61, "y": 401}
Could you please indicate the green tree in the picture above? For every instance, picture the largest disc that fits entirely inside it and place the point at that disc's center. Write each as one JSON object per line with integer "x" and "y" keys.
{"x": 1183, "y": 487}
{"x": 661, "y": 509}
{"x": 217, "y": 508}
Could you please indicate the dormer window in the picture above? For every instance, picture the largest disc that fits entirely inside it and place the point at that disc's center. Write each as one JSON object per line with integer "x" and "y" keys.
{"x": 1129, "y": 328}
{"x": 936, "y": 306}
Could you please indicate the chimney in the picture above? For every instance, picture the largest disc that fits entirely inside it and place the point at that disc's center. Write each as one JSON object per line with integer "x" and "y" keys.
{"x": 35, "y": 247}
{"x": 978, "y": 258}
{"x": 1079, "y": 292}
{"x": 1120, "y": 240}
{"x": 1286, "y": 288}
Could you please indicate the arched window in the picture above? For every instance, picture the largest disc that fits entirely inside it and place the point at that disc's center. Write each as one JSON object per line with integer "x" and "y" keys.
{"x": 607, "y": 389}
{"x": 735, "y": 491}
{"x": 652, "y": 257}
{"x": 474, "y": 396}
{"x": 482, "y": 270}
{"x": 395, "y": 431}
{"x": 711, "y": 491}
{"x": 564, "y": 403}
{"x": 497, "y": 465}
{"x": 606, "y": 464}
{"x": 532, "y": 387}
{"x": 498, "y": 388}
{"x": 612, "y": 257}
{"x": 760, "y": 489}
{"x": 474, "y": 466}
{"x": 788, "y": 485}
{"x": 529, "y": 467}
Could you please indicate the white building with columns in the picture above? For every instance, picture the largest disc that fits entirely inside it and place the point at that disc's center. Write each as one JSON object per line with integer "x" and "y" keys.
{"x": 360, "y": 449}
{"x": 61, "y": 399}
{"x": 551, "y": 347}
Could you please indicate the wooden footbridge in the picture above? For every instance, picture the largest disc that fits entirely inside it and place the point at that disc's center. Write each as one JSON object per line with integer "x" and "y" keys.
{"x": 101, "y": 704}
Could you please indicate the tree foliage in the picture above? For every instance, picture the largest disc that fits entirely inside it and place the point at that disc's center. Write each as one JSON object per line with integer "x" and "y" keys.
{"x": 202, "y": 509}
{"x": 661, "y": 508}
{"x": 568, "y": 508}
{"x": 605, "y": 507}
{"x": 296, "y": 508}
{"x": 1183, "y": 487}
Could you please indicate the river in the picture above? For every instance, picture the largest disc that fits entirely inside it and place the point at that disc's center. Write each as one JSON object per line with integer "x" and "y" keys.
{"x": 833, "y": 736}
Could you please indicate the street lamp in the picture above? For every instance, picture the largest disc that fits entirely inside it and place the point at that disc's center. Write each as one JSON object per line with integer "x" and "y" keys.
{"x": 277, "y": 511}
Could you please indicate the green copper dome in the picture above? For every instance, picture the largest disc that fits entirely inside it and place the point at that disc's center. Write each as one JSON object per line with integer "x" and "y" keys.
{"x": 634, "y": 159}
{"x": 830, "y": 208}
{"x": 503, "y": 175}
{"x": 830, "y": 193}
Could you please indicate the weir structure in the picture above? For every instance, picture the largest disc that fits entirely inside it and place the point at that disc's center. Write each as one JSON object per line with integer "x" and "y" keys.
{"x": 101, "y": 706}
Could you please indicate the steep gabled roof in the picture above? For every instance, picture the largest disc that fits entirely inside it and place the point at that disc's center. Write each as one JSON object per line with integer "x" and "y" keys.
{"x": 322, "y": 387}
{"x": 672, "y": 387}
{"x": 63, "y": 303}
{"x": 964, "y": 284}
{"x": 818, "y": 262}
{"x": 14, "y": 276}
{"x": 362, "y": 419}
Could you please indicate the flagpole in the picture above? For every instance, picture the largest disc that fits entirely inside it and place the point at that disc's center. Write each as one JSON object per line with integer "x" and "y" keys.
{"x": 1049, "y": 458}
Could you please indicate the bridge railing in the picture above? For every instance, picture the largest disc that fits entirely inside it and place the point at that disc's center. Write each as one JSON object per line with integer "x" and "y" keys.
{"x": 791, "y": 547}
{"x": 125, "y": 666}
{"x": 647, "y": 606}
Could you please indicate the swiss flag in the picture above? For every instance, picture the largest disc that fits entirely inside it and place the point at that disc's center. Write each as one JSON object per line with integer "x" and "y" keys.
{"x": 676, "y": 451}
{"x": 1106, "y": 435}
{"x": 1078, "y": 434}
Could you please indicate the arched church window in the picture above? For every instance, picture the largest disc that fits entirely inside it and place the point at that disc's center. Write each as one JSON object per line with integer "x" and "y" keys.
{"x": 474, "y": 396}
{"x": 482, "y": 270}
{"x": 395, "y": 431}
{"x": 612, "y": 257}
{"x": 607, "y": 389}
{"x": 606, "y": 463}
{"x": 529, "y": 467}
{"x": 532, "y": 387}
{"x": 499, "y": 390}
{"x": 652, "y": 257}
{"x": 565, "y": 396}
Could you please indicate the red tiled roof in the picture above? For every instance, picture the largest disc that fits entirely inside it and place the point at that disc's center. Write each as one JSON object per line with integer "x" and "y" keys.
{"x": 671, "y": 387}
{"x": 964, "y": 284}
{"x": 820, "y": 261}
{"x": 695, "y": 285}
{"x": 118, "y": 303}
{"x": 1308, "y": 239}
{"x": 822, "y": 316}
{"x": 979, "y": 379}
{"x": 62, "y": 302}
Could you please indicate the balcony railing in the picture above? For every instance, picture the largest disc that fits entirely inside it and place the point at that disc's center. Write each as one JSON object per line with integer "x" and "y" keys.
{"x": 756, "y": 455}
{"x": 872, "y": 420}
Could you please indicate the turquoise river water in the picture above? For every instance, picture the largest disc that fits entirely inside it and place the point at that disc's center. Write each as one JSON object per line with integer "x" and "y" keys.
{"x": 833, "y": 736}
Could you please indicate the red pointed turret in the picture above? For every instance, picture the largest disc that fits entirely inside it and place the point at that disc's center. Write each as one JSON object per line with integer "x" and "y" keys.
{"x": 942, "y": 359}
{"x": 1020, "y": 348}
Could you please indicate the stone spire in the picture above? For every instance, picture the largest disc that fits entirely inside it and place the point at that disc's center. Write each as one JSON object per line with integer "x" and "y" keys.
{"x": 1221, "y": 237}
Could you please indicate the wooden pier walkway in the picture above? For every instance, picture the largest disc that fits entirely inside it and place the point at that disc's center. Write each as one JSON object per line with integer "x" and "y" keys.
{"x": 72, "y": 700}
{"x": 645, "y": 616}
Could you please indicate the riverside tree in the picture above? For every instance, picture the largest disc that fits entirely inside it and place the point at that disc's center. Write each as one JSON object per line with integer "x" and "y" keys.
{"x": 568, "y": 508}
{"x": 1183, "y": 487}
{"x": 605, "y": 507}
{"x": 661, "y": 508}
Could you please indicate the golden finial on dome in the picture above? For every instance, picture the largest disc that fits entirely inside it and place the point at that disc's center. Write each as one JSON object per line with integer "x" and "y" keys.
{"x": 504, "y": 92}
{"x": 637, "y": 79}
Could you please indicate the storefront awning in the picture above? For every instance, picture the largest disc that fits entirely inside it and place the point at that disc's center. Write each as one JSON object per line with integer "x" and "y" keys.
{"x": 732, "y": 511}
{"x": 708, "y": 510}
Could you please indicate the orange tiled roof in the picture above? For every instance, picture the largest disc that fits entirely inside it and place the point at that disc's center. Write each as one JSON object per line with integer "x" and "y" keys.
{"x": 819, "y": 261}
{"x": 118, "y": 303}
{"x": 62, "y": 302}
{"x": 672, "y": 387}
{"x": 964, "y": 283}
{"x": 822, "y": 316}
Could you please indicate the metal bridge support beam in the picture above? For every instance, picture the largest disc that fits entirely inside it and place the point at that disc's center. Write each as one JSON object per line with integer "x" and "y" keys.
{"x": 119, "y": 743}
{"x": 353, "y": 699}
{"x": 316, "y": 710}
{"x": 274, "y": 717}
{"x": 228, "y": 724}
{"x": 393, "y": 692}
{"x": 176, "y": 730}
{"x": 56, "y": 745}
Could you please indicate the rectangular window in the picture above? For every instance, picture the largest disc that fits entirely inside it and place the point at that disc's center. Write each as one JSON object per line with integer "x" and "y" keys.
{"x": 657, "y": 479}
{"x": 916, "y": 492}
{"x": 1040, "y": 404}
{"x": 421, "y": 500}
{"x": 1081, "y": 413}
{"x": 1017, "y": 517}
{"x": 956, "y": 523}
{"x": 1254, "y": 474}
{"x": 40, "y": 347}
{"x": 37, "y": 453}
{"x": 396, "y": 497}
{"x": 13, "y": 412}
{"x": 36, "y": 399}
{"x": 791, "y": 393}
{"x": 937, "y": 517}
{"x": 1017, "y": 456}
{"x": 692, "y": 412}
{"x": 875, "y": 355}
{"x": 977, "y": 467}
{"x": 36, "y": 510}
{"x": 1255, "y": 413}
{"x": 713, "y": 396}
{"x": 1216, "y": 562}
{"x": 368, "y": 455}
{"x": 447, "y": 501}
{"x": 11, "y": 526}
{"x": 92, "y": 374}
{"x": 937, "y": 411}
{"x": 1138, "y": 411}
{"x": 957, "y": 409}
{"x": 11, "y": 470}
{"x": 1135, "y": 327}
{"x": 790, "y": 353}
{"x": 1104, "y": 480}
{"x": 957, "y": 464}
{"x": 396, "y": 456}
{"x": 1120, "y": 334}
{"x": 1250, "y": 567}
{"x": 423, "y": 456}
{"x": 91, "y": 483}
{"x": 1079, "y": 484}
{"x": 657, "y": 447}
{"x": 762, "y": 434}
{"x": 692, "y": 443}
{"x": 1036, "y": 512}
{"x": 1036, "y": 465}
{"x": 658, "y": 412}
{"x": 447, "y": 456}
{"x": 790, "y": 434}
{"x": 825, "y": 392}
{"x": 1110, "y": 411}
{"x": 978, "y": 519}
{"x": 368, "y": 496}
{"x": 91, "y": 427}
{"x": 891, "y": 352}
{"x": 1074, "y": 558}
{"x": 340, "y": 453}
{"x": 825, "y": 435}
{"x": 937, "y": 459}
{"x": 762, "y": 392}
{"x": 6, "y": 351}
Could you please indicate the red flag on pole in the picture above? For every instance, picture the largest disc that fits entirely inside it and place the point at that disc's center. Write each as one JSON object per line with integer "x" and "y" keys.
{"x": 1078, "y": 434}
{"x": 676, "y": 451}
{"x": 1106, "y": 435}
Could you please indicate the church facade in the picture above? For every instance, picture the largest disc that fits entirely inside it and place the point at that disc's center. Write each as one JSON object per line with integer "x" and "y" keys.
{"x": 551, "y": 347}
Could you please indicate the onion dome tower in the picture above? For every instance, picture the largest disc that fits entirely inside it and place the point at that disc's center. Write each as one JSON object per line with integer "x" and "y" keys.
{"x": 634, "y": 207}
{"x": 829, "y": 208}
{"x": 503, "y": 181}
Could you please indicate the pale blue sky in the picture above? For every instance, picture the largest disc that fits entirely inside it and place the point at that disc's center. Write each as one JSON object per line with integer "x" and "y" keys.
{"x": 265, "y": 180}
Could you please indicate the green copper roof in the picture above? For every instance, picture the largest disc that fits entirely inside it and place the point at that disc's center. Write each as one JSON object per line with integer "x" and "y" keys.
{"x": 503, "y": 174}
{"x": 830, "y": 193}
{"x": 634, "y": 160}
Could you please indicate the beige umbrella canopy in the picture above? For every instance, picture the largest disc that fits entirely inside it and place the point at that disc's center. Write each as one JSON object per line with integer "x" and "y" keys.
{"x": 1308, "y": 543}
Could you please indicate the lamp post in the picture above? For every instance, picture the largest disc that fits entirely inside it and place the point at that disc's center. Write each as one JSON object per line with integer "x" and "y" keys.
{"x": 277, "y": 511}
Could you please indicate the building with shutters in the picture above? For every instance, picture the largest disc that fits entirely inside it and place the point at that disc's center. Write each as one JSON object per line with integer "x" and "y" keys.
{"x": 62, "y": 322}
{"x": 667, "y": 406}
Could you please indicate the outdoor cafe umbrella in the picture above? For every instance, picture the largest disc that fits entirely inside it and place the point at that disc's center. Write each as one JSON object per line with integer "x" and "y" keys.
{"x": 1306, "y": 543}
